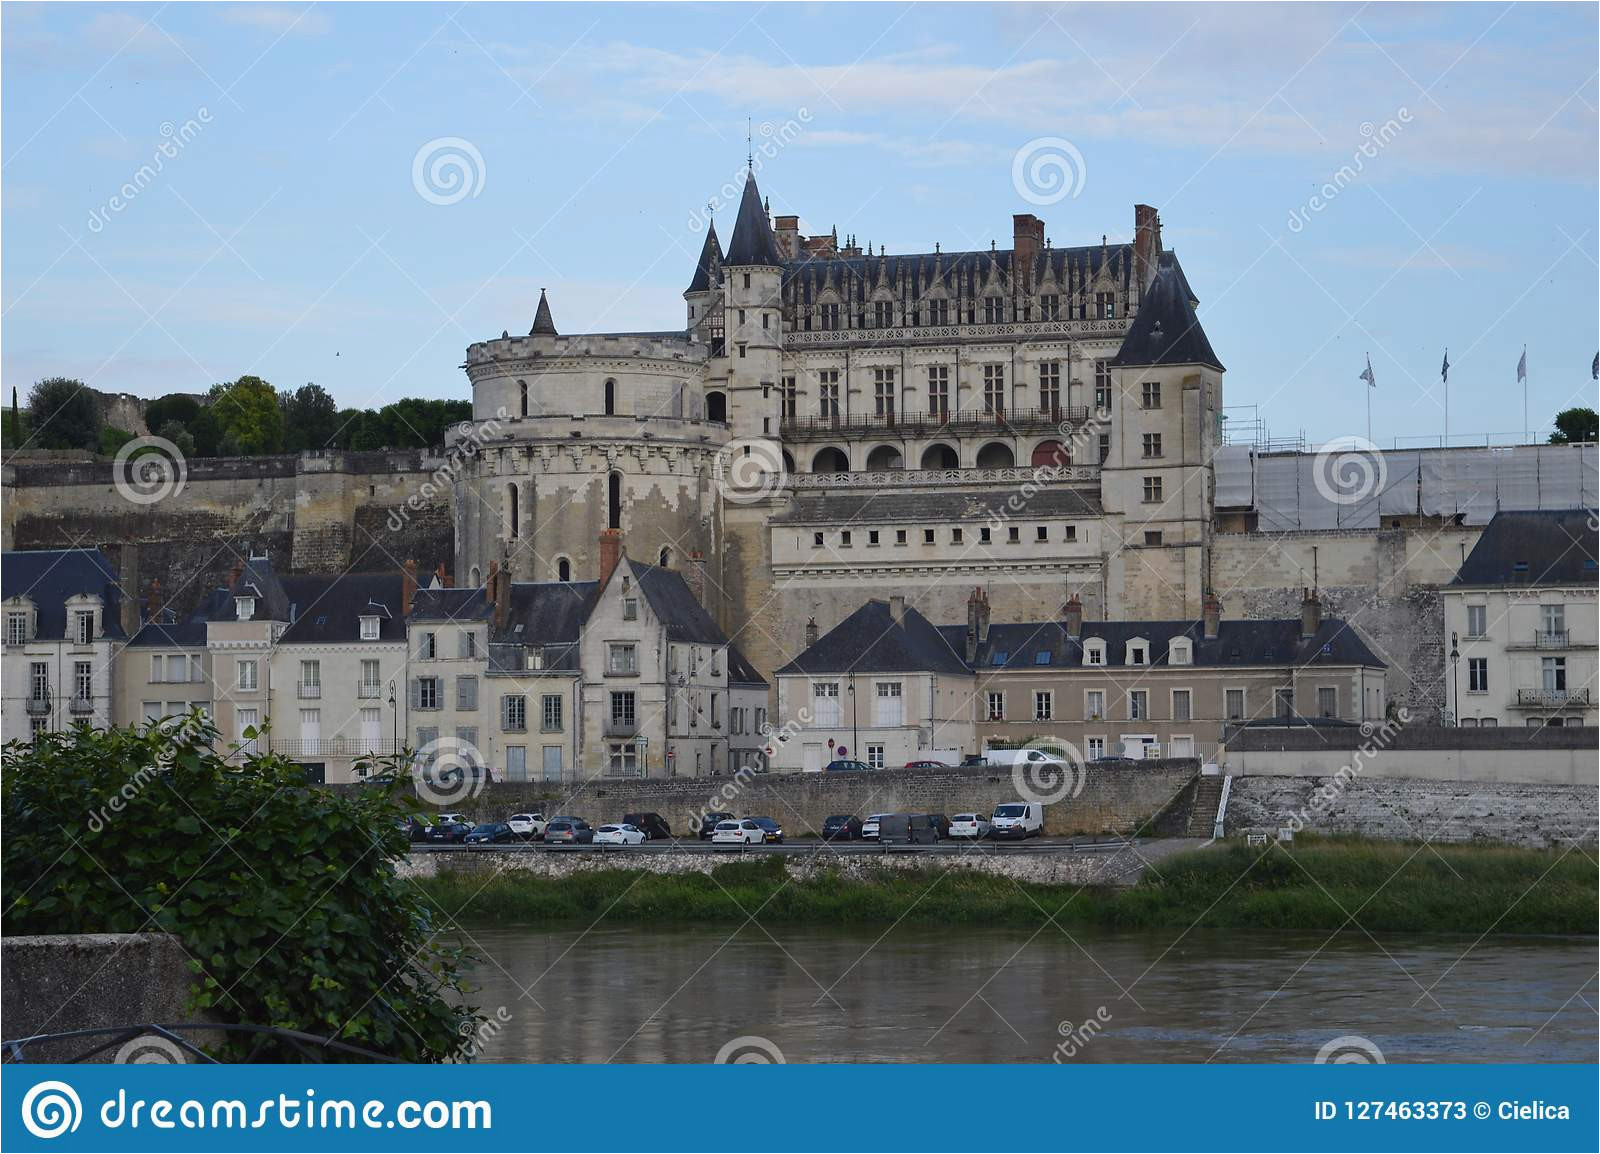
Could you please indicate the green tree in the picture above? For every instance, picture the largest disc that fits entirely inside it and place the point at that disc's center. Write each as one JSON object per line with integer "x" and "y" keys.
{"x": 371, "y": 432}
{"x": 178, "y": 407}
{"x": 179, "y": 436}
{"x": 248, "y": 412}
{"x": 310, "y": 418}
{"x": 1576, "y": 425}
{"x": 112, "y": 439}
{"x": 207, "y": 433}
{"x": 345, "y": 427}
{"x": 284, "y": 895}
{"x": 64, "y": 415}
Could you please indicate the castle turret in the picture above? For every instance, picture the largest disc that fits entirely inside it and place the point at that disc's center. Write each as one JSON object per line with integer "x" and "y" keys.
{"x": 544, "y": 324}
{"x": 753, "y": 283}
{"x": 705, "y": 285}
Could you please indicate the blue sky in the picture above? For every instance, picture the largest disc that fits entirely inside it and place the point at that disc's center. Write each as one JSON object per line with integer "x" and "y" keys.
{"x": 286, "y": 237}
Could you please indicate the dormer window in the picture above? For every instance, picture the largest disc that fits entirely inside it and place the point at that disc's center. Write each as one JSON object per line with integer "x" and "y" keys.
{"x": 83, "y": 626}
{"x": 369, "y": 628}
{"x": 1181, "y": 652}
{"x": 17, "y": 626}
{"x": 1138, "y": 653}
{"x": 244, "y": 608}
{"x": 1094, "y": 652}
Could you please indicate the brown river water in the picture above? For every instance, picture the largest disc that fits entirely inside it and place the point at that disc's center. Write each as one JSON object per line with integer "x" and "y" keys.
{"x": 868, "y": 994}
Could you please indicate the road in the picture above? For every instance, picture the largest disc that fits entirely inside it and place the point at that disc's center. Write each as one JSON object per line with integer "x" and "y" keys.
{"x": 806, "y": 846}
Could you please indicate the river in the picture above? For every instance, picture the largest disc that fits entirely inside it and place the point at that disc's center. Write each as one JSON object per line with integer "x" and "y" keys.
{"x": 864, "y": 994}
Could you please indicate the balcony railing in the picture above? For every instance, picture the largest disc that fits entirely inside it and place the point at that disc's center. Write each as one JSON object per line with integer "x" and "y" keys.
{"x": 309, "y": 689}
{"x": 615, "y": 728}
{"x": 932, "y": 422}
{"x": 1552, "y": 698}
{"x": 1550, "y": 639}
{"x": 899, "y": 478}
{"x": 37, "y": 703}
{"x": 81, "y": 705}
{"x": 369, "y": 691}
{"x": 337, "y": 747}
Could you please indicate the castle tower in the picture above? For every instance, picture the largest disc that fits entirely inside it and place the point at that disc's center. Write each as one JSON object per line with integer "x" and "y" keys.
{"x": 753, "y": 286}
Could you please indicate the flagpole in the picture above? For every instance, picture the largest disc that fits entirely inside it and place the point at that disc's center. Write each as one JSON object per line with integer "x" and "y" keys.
{"x": 1369, "y": 414}
{"x": 1525, "y": 437}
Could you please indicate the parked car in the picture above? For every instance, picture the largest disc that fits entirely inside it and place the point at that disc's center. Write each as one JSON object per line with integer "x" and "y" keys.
{"x": 1006, "y": 758}
{"x": 709, "y": 822}
{"x": 973, "y": 761}
{"x": 619, "y": 833}
{"x": 841, "y": 827}
{"x": 773, "y": 830}
{"x": 906, "y": 829}
{"x": 969, "y": 825}
{"x": 528, "y": 826}
{"x": 652, "y": 825}
{"x": 448, "y": 832}
{"x": 941, "y": 824}
{"x": 568, "y": 831}
{"x": 1018, "y": 819}
{"x": 450, "y": 817}
{"x": 845, "y": 765}
{"x": 414, "y": 828}
{"x": 926, "y": 764}
{"x": 741, "y": 832}
{"x": 1115, "y": 761}
{"x": 869, "y": 828}
{"x": 491, "y": 833}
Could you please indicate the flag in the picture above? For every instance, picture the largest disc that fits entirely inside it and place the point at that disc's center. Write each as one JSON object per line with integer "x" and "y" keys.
{"x": 1522, "y": 366}
{"x": 1444, "y": 370}
{"x": 1594, "y": 369}
{"x": 1372, "y": 382}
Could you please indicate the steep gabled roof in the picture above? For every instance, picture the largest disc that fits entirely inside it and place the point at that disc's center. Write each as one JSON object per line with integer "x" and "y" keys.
{"x": 740, "y": 671}
{"x": 1547, "y": 547}
{"x": 258, "y": 579}
{"x": 871, "y": 641}
{"x": 1167, "y": 331}
{"x": 676, "y": 606}
{"x": 707, "y": 270}
{"x": 1276, "y": 641}
{"x": 544, "y": 324}
{"x": 753, "y": 242}
{"x": 48, "y": 577}
{"x": 328, "y": 610}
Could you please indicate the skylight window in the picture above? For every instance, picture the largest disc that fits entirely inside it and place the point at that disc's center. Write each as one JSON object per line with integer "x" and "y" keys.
{"x": 1042, "y": 657}
{"x": 1001, "y": 656}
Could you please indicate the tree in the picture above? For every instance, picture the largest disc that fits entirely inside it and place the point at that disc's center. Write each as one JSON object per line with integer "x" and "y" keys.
{"x": 112, "y": 439}
{"x": 179, "y": 436}
{"x": 248, "y": 412}
{"x": 178, "y": 407}
{"x": 207, "y": 433}
{"x": 310, "y": 418}
{"x": 323, "y": 937}
{"x": 1576, "y": 425}
{"x": 370, "y": 433}
{"x": 64, "y": 415}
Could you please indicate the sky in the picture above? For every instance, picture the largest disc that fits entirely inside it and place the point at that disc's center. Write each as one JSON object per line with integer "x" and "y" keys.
{"x": 351, "y": 194}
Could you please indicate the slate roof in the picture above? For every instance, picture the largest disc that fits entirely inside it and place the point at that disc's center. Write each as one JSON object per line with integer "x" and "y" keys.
{"x": 869, "y": 641}
{"x": 674, "y": 603}
{"x": 328, "y": 610}
{"x": 753, "y": 242}
{"x": 167, "y": 633}
{"x": 543, "y": 323}
{"x": 258, "y": 579}
{"x": 911, "y": 505}
{"x": 49, "y": 577}
{"x": 1167, "y": 331}
{"x": 706, "y": 271}
{"x": 1075, "y": 267}
{"x": 740, "y": 671}
{"x": 1557, "y": 547}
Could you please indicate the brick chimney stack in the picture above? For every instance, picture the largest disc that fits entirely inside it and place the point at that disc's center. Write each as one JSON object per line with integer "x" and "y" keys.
{"x": 786, "y": 230}
{"x": 1027, "y": 238}
{"x": 696, "y": 576}
{"x": 610, "y": 553}
{"x": 811, "y": 632}
{"x": 1073, "y": 612}
{"x": 1310, "y": 615}
{"x": 408, "y": 587}
{"x": 977, "y": 623}
{"x": 897, "y": 608}
{"x": 1210, "y": 616}
{"x": 1146, "y": 245}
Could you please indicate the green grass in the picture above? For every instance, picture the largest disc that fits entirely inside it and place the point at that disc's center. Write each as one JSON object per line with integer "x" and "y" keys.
{"x": 1395, "y": 887}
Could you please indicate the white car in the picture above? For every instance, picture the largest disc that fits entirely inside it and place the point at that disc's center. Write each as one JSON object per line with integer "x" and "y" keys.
{"x": 526, "y": 825}
{"x": 451, "y": 818}
{"x": 969, "y": 825}
{"x": 618, "y": 835}
{"x": 869, "y": 828}
{"x": 743, "y": 832}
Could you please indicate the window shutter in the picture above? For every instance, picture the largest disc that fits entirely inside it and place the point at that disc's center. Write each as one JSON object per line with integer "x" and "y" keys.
{"x": 416, "y": 693}
{"x": 463, "y": 644}
{"x": 466, "y": 693}
{"x": 505, "y": 712}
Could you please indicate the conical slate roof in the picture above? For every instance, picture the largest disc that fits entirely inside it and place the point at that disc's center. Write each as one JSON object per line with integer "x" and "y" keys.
{"x": 705, "y": 273}
{"x": 1167, "y": 331}
{"x": 753, "y": 242}
{"x": 543, "y": 324}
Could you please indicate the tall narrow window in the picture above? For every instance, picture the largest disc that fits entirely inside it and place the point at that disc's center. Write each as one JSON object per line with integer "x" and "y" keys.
{"x": 939, "y": 391}
{"x": 994, "y": 388}
{"x": 828, "y": 393}
{"x": 1050, "y": 386}
{"x": 522, "y": 390}
{"x": 790, "y": 397}
{"x": 883, "y": 392}
{"x": 611, "y": 397}
{"x": 1102, "y": 385}
{"x": 614, "y": 501}
{"x": 512, "y": 512}
{"x": 563, "y": 570}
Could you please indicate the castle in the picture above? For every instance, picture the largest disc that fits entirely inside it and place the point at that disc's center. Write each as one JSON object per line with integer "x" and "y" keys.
{"x": 834, "y": 423}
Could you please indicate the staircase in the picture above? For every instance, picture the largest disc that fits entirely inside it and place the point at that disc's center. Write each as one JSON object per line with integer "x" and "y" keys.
{"x": 1203, "y": 808}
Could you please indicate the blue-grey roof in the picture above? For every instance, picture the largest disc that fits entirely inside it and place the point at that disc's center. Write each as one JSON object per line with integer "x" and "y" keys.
{"x": 328, "y": 610}
{"x": 50, "y": 576}
{"x": 675, "y": 604}
{"x": 740, "y": 671}
{"x": 752, "y": 242}
{"x": 1549, "y": 547}
{"x": 1167, "y": 331}
{"x": 871, "y": 641}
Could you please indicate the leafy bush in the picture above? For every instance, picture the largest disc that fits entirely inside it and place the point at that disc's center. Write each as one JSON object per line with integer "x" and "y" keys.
{"x": 284, "y": 895}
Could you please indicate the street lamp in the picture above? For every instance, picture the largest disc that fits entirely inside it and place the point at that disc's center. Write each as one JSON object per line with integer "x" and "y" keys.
{"x": 855, "y": 719}
{"x": 1455, "y": 678}
{"x": 394, "y": 709}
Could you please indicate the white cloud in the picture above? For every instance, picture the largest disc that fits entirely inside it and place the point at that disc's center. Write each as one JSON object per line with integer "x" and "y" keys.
{"x": 309, "y": 20}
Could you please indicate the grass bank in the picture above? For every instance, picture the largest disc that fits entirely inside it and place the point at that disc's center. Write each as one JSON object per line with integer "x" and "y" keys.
{"x": 1313, "y": 885}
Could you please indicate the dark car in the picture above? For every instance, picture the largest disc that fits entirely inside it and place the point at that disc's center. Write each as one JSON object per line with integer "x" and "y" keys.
{"x": 414, "y": 828}
{"x": 906, "y": 829}
{"x": 941, "y": 824}
{"x": 773, "y": 830}
{"x": 841, "y": 827}
{"x": 845, "y": 765}
{"x": 926, "y": 764}
{"x": 652, "y": 825}
{"x": 1116, "y": 761}
{"x": 490, "y": 833}
{"x": 973, "y": 761}
{"x": 448, "y": 832}
{"x": 708, "y": 824}
{"x": 568, "y": 831}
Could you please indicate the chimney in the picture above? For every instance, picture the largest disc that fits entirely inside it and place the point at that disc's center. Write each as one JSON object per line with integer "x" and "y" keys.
{"x": 610, "y": 553}
{"x": 897, "y": 609}
{"x": 234, "y": 574}
{"x": 1210, "y": 616}
{"x": 1310, "y": 615}
{"x": 1146, "y": 245}
{"x": 502, "y": 595}
{"x": 152, "y": 601}
{"x": 696, "y": 576}
{"x": 408, "y": 587}
{"x": 786, "y": 229}
{"x": 1027, "y": 238}
{"x": 1074, "y": 617}
{"x": 128, "y": 605}
{"x": 983, "y": 618}
{"x": 977, "y": 623}
{"x": 811, "y": 632}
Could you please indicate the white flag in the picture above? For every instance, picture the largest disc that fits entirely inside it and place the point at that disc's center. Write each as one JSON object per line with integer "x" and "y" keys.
{"x": 1522, "y": 366}
{"x": 1372, "y": 381}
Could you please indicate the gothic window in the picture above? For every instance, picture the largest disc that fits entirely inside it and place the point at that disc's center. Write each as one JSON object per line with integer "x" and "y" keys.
{"x": 717, "y": 407}
{"x": 718, "y": 334}
{"x": 830, "y": 317}
{"x": 512, "y": 520}
{"x": 1050, "y": 307}
{"x": 522, "y": 389}
{"x": 882, "y": 314}
{"x": 939, "y": 311}
{"x": 1105, "y": 306}
{"x": 611, "y": 397}
{"x": 994, "y": 388}
{"x": 563, "y": 569}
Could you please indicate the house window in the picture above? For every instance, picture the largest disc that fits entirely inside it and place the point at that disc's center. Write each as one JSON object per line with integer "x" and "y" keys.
{"x": 994, "y": 388}
{"x": 622, "y": 710}
{"x": 985, "y": 535}
{"x": 888, "y": 709}
{"x": 427, "y": 692}
{"x": 1152, "y": 444}
{"x": 997, "y": 706}
{"x": 1104, "y": 446}
{"x": 1554, "y": 671}
{"x": 427, "y": 647}
{"x": 467, "y": 646}
{"x": 955, "y": 536}
{"x": 994, "y": 311}
{"x": 1151, "y": 397}
{"x": 630, "y": 609}
{"x": 1152, "y": 537}
{"x": 1328, "y": 701}
{"x": 825, "y": 703}
{"x": 39, "y": 681}
{"x": 16, "y": 628}
{"x": 1477, "y": 675}
{"x": 875, "y": 756}
{"x": 1477, "y": 620}
{"x": 82, "y": 681}
{"x": 1102, "y": 385}
{"x": 1043, "y": 705}
{"x": 550, "y": 713}
{"x": 927, "y": 536}
{"x": 1050, "y": 307}
{"x": 371, "y": 679}
{"x": 883, "y": 392}
{"x": 622, "y": 658}
{"x": 247, "y": 675}
{"x": 1152, "y": 490}
{"x": 828, "y": 394}
{"x": 1138, "y": 704}
{"x": 716, "y": 711}
{"x": 1013, "y": 535}
{"x": 369, "y": 629}
{"x": 1094, "y": 653}
{"x": 1182, "y": 705}
{"x": 872, "y": 536}
{"x": 1181, "y": 653}
{"x": 830, "y": 317}
{"x": 1105, "y": 306}
{"x": 882, "y": 314}
{"x": 466, "y": 693}
{"x": 844, "y": 539}
{"x": 514, "y": 713}
{"x": 244, "y": 607}
{"x": 788, "y": 398}
{"x": 1094, "y": 704}
{"x": 310, "y": 730}
{"x": 1233, "y": 704}
{"x": 939, "y": 391}
{"x": 1049, "y": 385}
{"x": 1138, "y": 653}
{"x": 1095, "y": 748}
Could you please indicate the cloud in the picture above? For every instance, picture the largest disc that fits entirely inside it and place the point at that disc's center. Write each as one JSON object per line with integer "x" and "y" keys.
{"x": 310, "y": 20}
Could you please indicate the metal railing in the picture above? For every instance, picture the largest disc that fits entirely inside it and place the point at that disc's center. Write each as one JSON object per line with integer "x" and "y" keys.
{"x": 932, "y": 422}
{"x": 37, "y": 704}
{"x": 308, "y": 689}
{"x": 1550, "y": 639}
{"x": 81, "y": 705}
{"x": 369, "y": 691}
{"x": 1553, "y": 697}
{"x": 337, "y": 747}
{"x": 898, "y": 478}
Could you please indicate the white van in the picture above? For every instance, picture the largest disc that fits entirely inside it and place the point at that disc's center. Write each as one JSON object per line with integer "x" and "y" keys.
{"x": 1006, "y": 758}
{"x": 1017, "y": 819}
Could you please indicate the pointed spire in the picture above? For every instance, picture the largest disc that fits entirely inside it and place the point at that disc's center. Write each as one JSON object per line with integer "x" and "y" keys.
{"x": 543, "y": 324}
{"x": 708, "y": 270}
{"x": 753, "y": 242}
